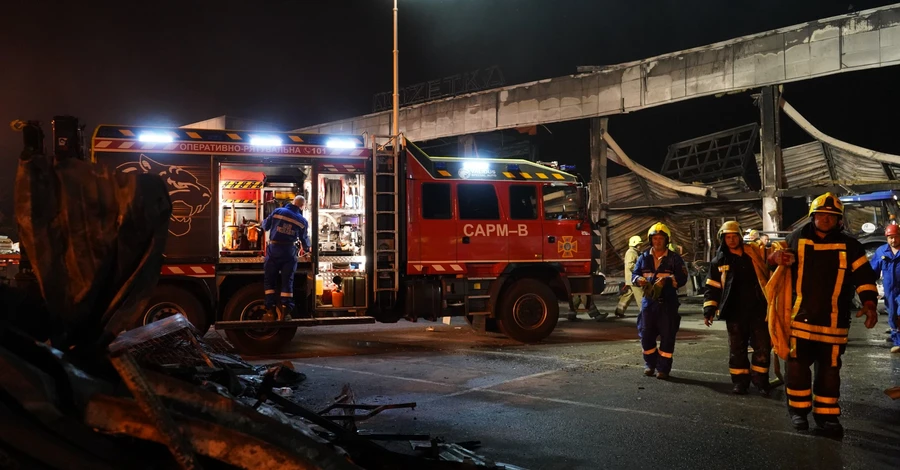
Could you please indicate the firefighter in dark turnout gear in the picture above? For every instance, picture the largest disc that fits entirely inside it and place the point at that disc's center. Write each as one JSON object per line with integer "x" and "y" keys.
{"x": 286, "y": 225}
{"x": 830, "y": 266}
{"x": 737, "y": 278}
{"x": 659, "y": 272}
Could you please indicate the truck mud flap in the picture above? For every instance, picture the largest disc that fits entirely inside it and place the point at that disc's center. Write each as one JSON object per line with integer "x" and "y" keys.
{"x": 298, "y": 322}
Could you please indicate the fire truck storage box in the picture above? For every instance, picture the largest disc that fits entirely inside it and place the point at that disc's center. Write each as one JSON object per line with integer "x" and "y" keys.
{"x": 349, "y": 288}
{"x": 360, "y": 287}
{"x": 426, "y": 297}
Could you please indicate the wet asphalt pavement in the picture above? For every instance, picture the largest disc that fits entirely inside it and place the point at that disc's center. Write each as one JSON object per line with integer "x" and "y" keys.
{"x": 580, "y": 400}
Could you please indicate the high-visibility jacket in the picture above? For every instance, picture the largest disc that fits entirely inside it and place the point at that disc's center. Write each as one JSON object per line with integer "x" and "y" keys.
{"x": 826, "y": 274}
{"x": 720, "y": 281}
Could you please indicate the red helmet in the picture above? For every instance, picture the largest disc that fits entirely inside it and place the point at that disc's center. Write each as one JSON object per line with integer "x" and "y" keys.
{"x": 891, "y": 230}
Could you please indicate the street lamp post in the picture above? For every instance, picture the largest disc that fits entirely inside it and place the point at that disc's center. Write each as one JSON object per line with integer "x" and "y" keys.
{"x": 395, "y": 121}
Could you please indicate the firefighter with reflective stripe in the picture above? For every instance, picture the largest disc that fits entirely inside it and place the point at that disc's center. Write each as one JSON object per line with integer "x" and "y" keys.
{"x": 737, "y": 278}
{"x": 632, "y": 292}
{"x": 828, "y": 267}
{"x": 286, "y": 225}
{"x": 886, "y": 261}
{"x": 659, "y": 272}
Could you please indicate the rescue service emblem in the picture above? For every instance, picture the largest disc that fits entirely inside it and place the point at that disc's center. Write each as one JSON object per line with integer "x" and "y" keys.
{"x": 567, "y": 246}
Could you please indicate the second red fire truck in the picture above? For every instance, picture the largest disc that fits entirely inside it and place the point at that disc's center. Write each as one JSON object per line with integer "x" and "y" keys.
{"x": 394, "y": 232}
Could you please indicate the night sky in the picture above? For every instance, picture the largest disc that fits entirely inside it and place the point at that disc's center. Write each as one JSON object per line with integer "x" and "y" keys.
{"x": 297, "y": 63}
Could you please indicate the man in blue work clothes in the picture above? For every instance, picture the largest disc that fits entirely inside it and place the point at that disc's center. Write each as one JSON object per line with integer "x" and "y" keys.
{"x": 660, "y": 273}
{"x": 886, "y": 262}
{"x": 285, "y": 225}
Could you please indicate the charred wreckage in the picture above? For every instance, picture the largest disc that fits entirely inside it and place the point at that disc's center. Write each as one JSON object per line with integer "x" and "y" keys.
{"x": 80, "y": 389}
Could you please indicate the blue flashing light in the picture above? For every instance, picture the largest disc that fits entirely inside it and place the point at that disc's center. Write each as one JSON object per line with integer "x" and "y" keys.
{"x": 512, "y": 167}
{"x": 440, "y": 166}
{"x": 567, "y": 167}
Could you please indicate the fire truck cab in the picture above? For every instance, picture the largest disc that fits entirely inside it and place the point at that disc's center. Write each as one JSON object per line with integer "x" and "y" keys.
{"x": 394, "y": 232}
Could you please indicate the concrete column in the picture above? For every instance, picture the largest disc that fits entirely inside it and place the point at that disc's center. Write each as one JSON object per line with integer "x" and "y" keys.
{"x": 772, "y": 164}
{"x": 599, "y": 189}
{"x": 466, "y": 145}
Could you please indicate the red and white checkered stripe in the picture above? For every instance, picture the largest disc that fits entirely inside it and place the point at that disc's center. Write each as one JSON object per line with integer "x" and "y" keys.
{"x": 192, "y": 270}
{"x": 435, "y": 268}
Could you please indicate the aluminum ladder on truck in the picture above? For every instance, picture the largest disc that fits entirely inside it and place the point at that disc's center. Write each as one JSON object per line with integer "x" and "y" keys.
{"x": 386, "y": 165}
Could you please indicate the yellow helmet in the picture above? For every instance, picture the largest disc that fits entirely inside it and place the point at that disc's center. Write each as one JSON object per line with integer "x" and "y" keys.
{"x": 827, "y": 204}
{"x": 634, "y": 241}
{"x": 730, "y": 226}
{"x": 659, "y": 227}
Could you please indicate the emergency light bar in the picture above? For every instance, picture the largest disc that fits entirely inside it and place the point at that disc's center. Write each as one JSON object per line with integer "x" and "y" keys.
{"x": 475, "y": 165}
{"x": 567, "y": 167}
{"x": 512, "y": 167}
{"x": 265, "y": 140}
{"x": 154, "y": 137}
{"x": 340, "y": 143}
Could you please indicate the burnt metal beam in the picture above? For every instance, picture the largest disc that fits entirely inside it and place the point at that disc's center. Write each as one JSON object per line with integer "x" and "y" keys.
{"x": 829, "y": 161}
{"x": 684, "y": 202}
{"x": 889, "y": 171}
{"x": 712, "y": 157}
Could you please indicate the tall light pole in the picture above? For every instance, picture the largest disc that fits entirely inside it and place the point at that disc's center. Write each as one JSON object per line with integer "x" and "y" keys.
{"x": 395, "y": 121}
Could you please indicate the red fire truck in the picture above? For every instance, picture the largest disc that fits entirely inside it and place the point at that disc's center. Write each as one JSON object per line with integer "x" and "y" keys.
{"x": 394, "y": 232}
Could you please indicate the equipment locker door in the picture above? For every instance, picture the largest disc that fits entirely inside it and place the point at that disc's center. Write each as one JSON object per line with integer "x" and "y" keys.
{"x": 436, "y": 227}
{"x": 482, "y": 230}
{"x": 525, "y": 228}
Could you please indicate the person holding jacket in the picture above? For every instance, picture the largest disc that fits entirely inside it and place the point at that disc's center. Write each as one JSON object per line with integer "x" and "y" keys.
{"x": 830, "y": 267}
{"x": 286, "y": 225}
{"x": 886, "y": 262}
{"x": 632, "y": 292}
{"x": 735, "y": 293}
{"x": 659, "y": 272}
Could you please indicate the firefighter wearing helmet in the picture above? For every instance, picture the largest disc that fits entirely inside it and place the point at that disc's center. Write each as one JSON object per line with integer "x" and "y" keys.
{"x": 659, "y": 272}
{"x": 735, "y": 293}
{"x": 631, "y": 292}
{"x": 886, "y": 261}
{"x": 827, "y": 268}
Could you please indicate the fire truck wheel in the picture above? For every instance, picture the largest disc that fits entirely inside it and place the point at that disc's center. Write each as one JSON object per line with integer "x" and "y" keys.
{"x": 248, "y": 303}
{"x": 168, "y": 300}
{"x": 528, "y": 311}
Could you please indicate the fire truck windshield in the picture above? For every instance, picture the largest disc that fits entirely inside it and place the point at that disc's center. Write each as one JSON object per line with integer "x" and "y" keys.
{"x": 562, "y": 203}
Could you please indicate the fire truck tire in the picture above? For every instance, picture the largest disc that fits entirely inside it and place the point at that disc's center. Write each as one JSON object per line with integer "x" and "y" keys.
{"x": 248, "y": 303}
{"x": 528, "y": 311}
{"x": 168, "y": 300}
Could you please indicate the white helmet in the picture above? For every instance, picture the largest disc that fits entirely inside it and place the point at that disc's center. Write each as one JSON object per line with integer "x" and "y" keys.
{"x": 634, "y": 241}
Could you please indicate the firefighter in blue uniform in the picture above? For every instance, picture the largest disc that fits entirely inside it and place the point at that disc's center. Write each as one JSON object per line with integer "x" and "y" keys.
{"x": 659, "y": 272}
{"x": 286, "y": 225}
{"x": 886, "y": 262}
{"x": 830, "y": 267}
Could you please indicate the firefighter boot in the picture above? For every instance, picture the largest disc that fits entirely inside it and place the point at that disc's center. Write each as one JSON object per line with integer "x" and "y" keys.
{"x": 270, "y": 315}
{"x": 740, "y": 388}
{"x": 829, "y": 425}
{"x": 799, "y": 421}
{"x": 288, "y": 310}
{"x": 649, "y": 372}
